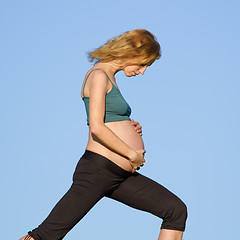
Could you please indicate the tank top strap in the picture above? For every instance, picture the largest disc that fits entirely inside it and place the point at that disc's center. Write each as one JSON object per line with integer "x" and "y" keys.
{"x": 109, "y": 78}
{"x": 90, "y": 73}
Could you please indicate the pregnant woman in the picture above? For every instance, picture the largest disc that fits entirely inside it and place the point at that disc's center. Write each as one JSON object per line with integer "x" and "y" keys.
{"x": 115, "y": 148}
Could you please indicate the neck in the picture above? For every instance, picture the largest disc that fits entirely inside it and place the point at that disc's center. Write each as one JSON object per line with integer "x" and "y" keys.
{"x": 110, "y": 67}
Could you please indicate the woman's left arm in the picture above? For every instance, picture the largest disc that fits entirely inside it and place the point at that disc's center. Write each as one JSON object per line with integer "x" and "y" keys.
{"x": 137, "y": 127}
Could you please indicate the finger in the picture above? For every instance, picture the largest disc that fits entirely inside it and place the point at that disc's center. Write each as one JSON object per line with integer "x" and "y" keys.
{"x": 137, "y": 125}
{"x": 138, "y": 130}
{"x": 143, "y": 152}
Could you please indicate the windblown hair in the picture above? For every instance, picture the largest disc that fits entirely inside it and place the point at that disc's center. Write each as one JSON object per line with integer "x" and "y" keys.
{"x": 138, "y": 43}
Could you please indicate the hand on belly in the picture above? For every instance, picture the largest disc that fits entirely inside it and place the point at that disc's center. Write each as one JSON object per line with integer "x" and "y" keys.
{"x": 126, "y": 132}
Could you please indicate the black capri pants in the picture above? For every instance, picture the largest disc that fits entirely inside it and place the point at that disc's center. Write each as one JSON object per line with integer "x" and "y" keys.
{"x": 96, "y": 177}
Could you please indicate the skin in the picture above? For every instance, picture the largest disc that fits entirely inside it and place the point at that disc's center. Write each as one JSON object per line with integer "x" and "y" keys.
{"x": 114, "y": 140}
{"x": 104, "y": 133}
{"x": 133, "y": 70}
{"x": 136, "y": 160}
{"x": 137, "y": 127}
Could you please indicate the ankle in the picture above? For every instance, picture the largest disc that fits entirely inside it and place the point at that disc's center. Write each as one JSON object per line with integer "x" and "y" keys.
{"x": 27, "y": 237}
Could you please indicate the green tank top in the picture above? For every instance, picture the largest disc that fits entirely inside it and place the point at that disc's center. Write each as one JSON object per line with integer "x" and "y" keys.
{"x": 116, "y": 108}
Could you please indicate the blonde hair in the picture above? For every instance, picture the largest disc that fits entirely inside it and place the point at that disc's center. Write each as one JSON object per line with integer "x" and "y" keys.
{"x": 138, "y": 43}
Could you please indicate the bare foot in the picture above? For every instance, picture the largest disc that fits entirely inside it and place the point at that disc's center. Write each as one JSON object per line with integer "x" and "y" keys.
{"x": 27, "y": 237}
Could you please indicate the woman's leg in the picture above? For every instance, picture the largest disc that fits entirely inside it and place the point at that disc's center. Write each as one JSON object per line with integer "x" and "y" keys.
{"x": 145, "y": 194}
{"x": 88, "y": 187}
{"x": 166, "y": 234}
{"x": 26, "y": 237}
{"x": 94, "y": 177}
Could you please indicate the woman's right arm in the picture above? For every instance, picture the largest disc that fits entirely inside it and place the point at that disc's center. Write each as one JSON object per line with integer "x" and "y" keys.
{"x": 98, "y": 90}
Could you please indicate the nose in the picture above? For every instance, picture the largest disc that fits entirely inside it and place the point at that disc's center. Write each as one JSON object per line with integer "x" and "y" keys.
{"x": 142, "y": 70}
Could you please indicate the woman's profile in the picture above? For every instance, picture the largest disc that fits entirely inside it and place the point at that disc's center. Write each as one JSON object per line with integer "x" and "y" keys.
{"x": 115, "y": 148}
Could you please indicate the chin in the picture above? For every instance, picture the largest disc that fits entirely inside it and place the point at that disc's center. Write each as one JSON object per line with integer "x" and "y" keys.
{"x": 128, "y": 75}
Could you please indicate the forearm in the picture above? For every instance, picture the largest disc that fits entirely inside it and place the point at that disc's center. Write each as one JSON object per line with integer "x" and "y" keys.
{"x": 110, "y": 140}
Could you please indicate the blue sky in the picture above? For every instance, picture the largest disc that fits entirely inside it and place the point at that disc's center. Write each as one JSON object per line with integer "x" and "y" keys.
{"x": 187, "y": 102}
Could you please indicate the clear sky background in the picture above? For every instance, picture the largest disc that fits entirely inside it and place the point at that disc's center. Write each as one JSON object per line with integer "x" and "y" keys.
{"x": 187, "y": 102}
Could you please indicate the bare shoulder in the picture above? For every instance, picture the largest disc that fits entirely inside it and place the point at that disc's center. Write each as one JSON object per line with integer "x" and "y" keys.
{"x": 96, "y": 78}
{"x": 97, "y": 74}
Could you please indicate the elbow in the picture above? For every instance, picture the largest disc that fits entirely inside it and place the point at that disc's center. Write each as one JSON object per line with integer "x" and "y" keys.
{"x": 92, "y": 129}
{"x": 95, "y": 128}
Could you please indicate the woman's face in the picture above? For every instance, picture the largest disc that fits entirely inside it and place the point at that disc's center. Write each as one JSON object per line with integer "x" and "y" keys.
{"x": 134, "y": 69}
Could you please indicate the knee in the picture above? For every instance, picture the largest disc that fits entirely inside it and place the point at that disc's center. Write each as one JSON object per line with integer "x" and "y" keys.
{"x": 180, "y": 211}
{"x": 176, "y": 216}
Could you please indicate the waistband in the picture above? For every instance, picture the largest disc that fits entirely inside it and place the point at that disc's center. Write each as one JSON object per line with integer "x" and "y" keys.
{"x": 101, "y": 160}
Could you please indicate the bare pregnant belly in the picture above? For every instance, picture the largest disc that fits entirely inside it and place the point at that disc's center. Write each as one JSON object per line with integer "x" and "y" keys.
{"x": 125, "y": 131}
